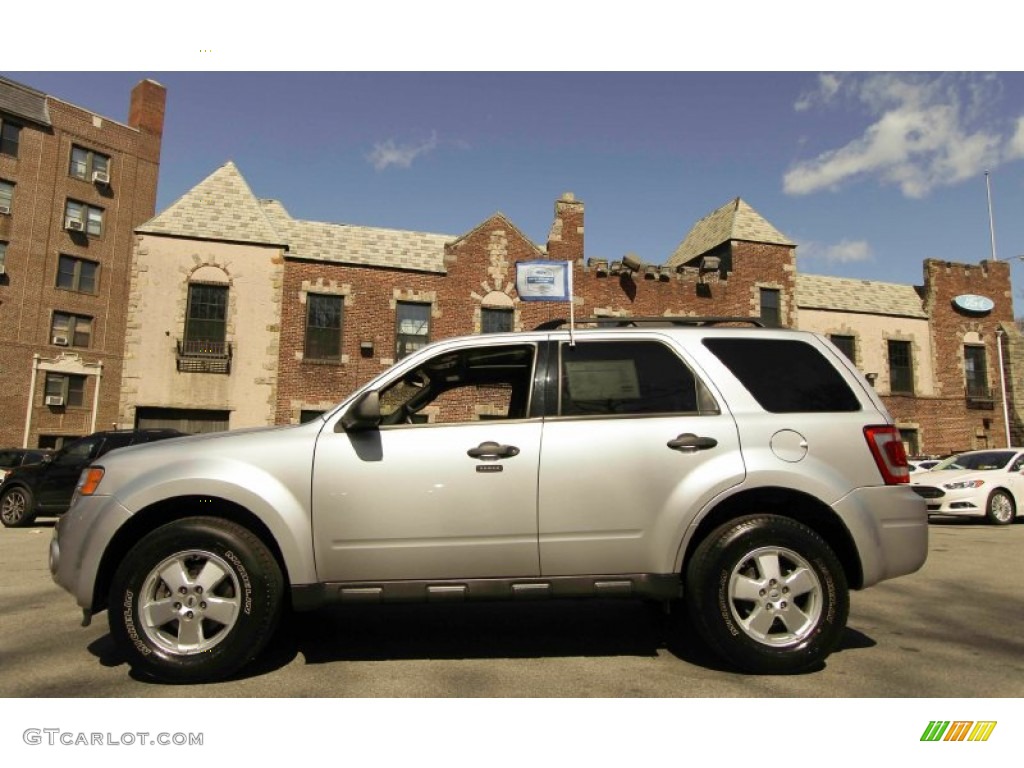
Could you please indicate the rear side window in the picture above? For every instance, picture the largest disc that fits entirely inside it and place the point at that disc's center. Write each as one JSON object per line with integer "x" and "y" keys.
{"x": 785, "y": 376}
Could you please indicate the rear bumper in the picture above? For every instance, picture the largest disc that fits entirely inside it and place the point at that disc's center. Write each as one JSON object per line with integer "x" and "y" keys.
{"x": 889, "y": 525}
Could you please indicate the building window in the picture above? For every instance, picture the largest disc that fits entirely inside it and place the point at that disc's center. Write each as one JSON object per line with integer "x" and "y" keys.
{"x": 911, "y": 443}
{"x": 323, "y": 327}
{"x": 67, "y": 388}
{"x": 10, "y": 136}
{"x": 771, "y": 315}
{"x": 306, "y": 416}
{"x": 88, "y": 217}
{"x": 846, "y": 344}
{"x": 413, "y": 328}
{"x": 901, "y": 369}
{"x": 85, "y": 162}
{"x": 3, "y": 256}
{"x": 495, "y": 320}
{"x": 70, "y": 330}
{"x": 6, "y": 196}
{"x": 77, "y": 274}
{"x": 206, "y": 321}
{"x": 976, "y": 372}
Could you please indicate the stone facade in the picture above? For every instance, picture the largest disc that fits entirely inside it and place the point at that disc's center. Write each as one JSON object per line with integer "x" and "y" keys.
{"x": 34, "y": 295}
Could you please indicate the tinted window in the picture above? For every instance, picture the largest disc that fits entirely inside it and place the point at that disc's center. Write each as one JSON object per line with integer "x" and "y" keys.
{"x": 624, "y": 377}
{"x": 785, "y": 376}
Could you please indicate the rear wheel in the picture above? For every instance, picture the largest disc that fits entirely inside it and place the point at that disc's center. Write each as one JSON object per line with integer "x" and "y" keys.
{"x": 767, "y": 594}
{"x": 1000, "y": 509}
{"x": 195, "y": 600}
{"x": 17, "y": 507}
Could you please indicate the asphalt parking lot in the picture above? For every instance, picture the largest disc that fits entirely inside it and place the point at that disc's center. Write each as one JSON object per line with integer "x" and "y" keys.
{"x": 954, "y": 629}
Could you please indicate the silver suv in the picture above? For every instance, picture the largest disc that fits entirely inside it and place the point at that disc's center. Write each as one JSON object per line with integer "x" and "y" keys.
{"x": 751, "y": 472}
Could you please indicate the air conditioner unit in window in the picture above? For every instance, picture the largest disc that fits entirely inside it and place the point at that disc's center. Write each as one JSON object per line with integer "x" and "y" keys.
{"x": 54, "y": 400}
{"x": 3, "y": 269}
{"x": 60, "y": 341}
{"x": 100, "y": 177}
{"x": 5, "y": 210}
{"x": 74, "y": 224}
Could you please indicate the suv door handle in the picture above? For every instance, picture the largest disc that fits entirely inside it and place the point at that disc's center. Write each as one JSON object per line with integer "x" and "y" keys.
{"x": 491, "y": 451}
{"x": 690, "y": 443}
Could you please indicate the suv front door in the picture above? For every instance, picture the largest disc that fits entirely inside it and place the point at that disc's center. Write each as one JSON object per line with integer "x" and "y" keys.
{"x": 409, "y": 500}
{"x": 635, "y": 444}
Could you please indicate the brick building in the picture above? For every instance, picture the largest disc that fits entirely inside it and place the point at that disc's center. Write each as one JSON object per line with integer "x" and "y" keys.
{"x": 73, "y": 187}
{"x": 242, "y": 315}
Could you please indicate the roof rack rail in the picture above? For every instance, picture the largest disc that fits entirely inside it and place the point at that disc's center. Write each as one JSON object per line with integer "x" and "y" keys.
{"x": 627, "y": 322}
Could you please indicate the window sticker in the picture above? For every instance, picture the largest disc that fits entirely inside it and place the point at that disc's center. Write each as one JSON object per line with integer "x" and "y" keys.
{"x": 602, "y": 380}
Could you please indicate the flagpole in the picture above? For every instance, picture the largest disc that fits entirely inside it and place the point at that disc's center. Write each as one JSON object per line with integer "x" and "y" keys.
{"x": 572, "y": 309}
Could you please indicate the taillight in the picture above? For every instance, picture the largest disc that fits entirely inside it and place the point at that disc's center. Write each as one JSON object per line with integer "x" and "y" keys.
{"x": 887, "y": 448}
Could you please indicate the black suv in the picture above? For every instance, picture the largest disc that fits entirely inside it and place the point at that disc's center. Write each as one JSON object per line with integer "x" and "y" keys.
{"x": 47, "y": 488}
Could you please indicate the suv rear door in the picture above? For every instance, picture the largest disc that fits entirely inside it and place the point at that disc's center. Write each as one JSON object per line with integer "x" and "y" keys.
{"x": 634, "y": 444}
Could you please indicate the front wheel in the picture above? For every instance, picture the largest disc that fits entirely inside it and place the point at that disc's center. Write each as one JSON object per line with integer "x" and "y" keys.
{"x": 195, "y": 600}
{"x": 768, "y": 594}
{"x": 17, "y": 507}
{"x": 1000, "y": 509}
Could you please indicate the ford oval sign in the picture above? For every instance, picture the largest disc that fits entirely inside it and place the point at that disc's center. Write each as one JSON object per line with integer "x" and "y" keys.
{"x": 970, "y": 302}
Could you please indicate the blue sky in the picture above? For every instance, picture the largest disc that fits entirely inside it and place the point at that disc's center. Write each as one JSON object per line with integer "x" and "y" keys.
{"x": 869, "y": 173}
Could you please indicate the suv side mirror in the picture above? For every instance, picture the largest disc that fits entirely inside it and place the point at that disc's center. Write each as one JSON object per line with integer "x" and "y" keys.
{"x": 364, "y": 413}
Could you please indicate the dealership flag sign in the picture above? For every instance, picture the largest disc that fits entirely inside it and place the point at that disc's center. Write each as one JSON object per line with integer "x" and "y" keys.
{"x": 546, "y": 281}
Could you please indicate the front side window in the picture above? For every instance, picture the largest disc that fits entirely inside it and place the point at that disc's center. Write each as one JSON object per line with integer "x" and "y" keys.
{"x": 413, "y": 328}
{"x": 6, "y": 196}
{"x": 901, "y": 370}
{"x": 85, "y": 163}
{"x": 615, "y": 378}
{"x": 65, "y": 389}
{"x": 771, "y": 314}
{"x": 76, "y": 274}
{"x": 10, "y": 137}
{"x": 71, "y": 330}
{"x": 975, "y": 371}
{"x": 89, "y": 218}
{"x": 467, "y": 385}
{"x": 206, "y": 319}
{"x": 323, "y": 327}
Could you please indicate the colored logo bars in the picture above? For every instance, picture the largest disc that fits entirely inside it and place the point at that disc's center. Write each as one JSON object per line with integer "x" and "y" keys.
{"x": 958, "y": 730}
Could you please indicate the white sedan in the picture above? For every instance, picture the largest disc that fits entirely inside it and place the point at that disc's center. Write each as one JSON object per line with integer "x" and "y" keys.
{"x": 987, "y": 483}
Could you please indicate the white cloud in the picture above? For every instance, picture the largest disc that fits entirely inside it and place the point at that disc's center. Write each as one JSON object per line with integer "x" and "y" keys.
{"x": 388, "y": 154}
{"x": 927, "y": 132}
{"x": 843, "y": 252}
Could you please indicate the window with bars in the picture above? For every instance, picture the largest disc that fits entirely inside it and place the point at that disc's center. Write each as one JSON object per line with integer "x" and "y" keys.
{"x": 323, "y": 327}
{"x": 85, "y": 162}
{"x": 976, "y": 371}
{"x": 76, "y": 274}
{"x": 901, "y": 368}
{"x": 206, "y": 319}
{"x": 412, "y": 330}
{"x": 495, "y": 320}
{"x": 70, "y": 330}
{"x": 89, "y": 217}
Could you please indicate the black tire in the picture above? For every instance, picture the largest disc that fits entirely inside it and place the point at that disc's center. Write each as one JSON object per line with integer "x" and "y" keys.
{"x": 762, "y": 626}
{"x": 195, "y": 600}
{"x": 1000, "y": 509}
{"x": 17, "y": 507}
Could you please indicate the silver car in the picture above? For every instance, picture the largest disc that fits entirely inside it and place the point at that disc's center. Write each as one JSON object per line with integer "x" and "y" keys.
{"x": 752, "y": 473}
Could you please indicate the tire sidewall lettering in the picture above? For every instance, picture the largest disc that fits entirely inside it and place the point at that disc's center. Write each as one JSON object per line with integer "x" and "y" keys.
{"x": 243, "y": 577}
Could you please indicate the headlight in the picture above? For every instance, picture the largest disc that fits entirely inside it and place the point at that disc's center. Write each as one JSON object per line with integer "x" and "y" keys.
{"x": 963, "y": 484}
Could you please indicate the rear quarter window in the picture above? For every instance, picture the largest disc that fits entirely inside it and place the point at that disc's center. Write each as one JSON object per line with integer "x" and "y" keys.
{"x": 785, "y": 375}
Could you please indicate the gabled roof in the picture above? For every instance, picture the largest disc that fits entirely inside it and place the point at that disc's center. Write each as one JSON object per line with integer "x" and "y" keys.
{"x": 505, "y": 222}
{"x": 220, "y": 207}
{"x": 371, "y": 246}
{"x": 843, "y": 294}
{"x": 735, "y": 220}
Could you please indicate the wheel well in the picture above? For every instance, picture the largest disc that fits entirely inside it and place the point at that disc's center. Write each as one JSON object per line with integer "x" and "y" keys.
{"x": 152, "y": 517}
{"x": 798, "y": 506}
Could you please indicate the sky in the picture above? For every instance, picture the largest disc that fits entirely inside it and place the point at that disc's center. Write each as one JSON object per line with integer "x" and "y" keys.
{"x": 869, "y": 173}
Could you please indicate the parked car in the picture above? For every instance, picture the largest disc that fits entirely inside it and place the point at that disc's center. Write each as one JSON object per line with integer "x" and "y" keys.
{"x": 751, "y": 472}
{"x": 16, "y": 457}
{"x": 987, "y": 483}
{"x": 46, "y": 488}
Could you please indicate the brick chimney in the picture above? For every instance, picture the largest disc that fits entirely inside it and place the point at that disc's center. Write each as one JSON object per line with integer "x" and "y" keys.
{"x": 565, "y": 241}
{"x": 147, "y": 108}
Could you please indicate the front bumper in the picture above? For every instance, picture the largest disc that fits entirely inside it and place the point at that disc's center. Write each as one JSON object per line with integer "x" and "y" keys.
{"x": 889, "y": 525}
{"x": 80, "y": 539}
{"x": 960, "y": 501}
